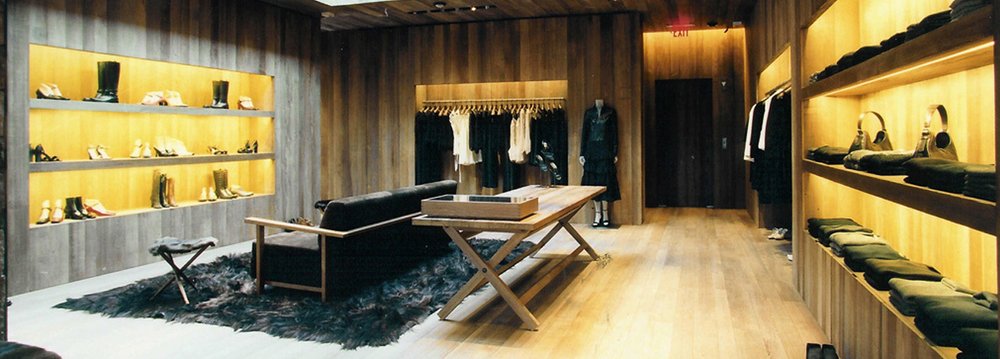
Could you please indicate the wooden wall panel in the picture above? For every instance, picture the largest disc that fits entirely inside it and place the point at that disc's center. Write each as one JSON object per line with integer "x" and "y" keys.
{"x": 715, "y": 55}
{"x": 370, "y": 78}
{"x": 228, "y": 34}
{"x": 769, "y": 31}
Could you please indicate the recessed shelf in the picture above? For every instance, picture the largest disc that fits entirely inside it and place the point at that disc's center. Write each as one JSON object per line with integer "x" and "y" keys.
{"x": 130, "y": 108}
{"x": 967, "y": 211}
{"x": 144, "y": 162}
{"x": 883, "y": 298}
{"x": 132, "y": 212}
{"x": 957, "y": 46}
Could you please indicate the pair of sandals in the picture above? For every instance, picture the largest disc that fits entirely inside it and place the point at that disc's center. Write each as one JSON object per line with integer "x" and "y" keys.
{"x": 38, "y": 155}
{"x": 601, "y": 222}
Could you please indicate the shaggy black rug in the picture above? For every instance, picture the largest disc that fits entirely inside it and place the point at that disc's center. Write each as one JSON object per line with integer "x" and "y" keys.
{"x": 376, "y": 316}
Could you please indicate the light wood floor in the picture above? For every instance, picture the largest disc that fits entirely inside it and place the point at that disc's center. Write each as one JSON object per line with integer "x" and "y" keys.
{"x": 691, "y": 283}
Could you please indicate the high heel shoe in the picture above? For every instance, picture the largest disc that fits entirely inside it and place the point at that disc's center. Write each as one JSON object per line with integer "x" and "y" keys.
{"x": 41, "y": 156}
{"x": 58, "y": 94}
{"x": 96, "y": 207}
{"x": 246, "y": 104}
{"x": 32, "y": 155}
{"x": 165, "y": 152}
{"x": 245, "y": 149}
{"x": 236, "y": 189}
{"x": 215, "y": 151}
{"x": 204, "y": 195}
{"x": 137, "y": 150}
{"x": 173, "y": 98}
{"x": 146, "y": 153}
{"x": 154, "y": 98}
{"x": 176, "y": 146}
{"x": 103, "y": 152}
{"x": 58, "y": 214}
{"x": 92, "y": 152}
{"x": 254, "y": 146}
{"x": 46, "y": 213}
{"x": 211, "y": 194}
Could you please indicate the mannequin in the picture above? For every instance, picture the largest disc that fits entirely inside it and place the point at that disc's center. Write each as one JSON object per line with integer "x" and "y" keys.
{"x": 599, "y": 156}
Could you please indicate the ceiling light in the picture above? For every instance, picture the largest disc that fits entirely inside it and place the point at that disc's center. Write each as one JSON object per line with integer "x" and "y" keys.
{"x": 439, "y": 4}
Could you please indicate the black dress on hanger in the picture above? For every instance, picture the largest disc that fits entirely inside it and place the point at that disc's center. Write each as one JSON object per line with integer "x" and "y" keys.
{"x": 599, "y": 147}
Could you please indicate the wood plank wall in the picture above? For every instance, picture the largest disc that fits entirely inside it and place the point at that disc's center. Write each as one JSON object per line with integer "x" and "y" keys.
{"x": 714, "y": 55}
{"x": 3, "y": 170}
{"x": 229, "y": 34}
{"x": 370, "y": 77}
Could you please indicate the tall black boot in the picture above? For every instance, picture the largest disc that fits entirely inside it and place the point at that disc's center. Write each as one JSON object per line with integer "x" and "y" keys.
{"x": 220, "y": 95}
{"x": 107, "y": 82}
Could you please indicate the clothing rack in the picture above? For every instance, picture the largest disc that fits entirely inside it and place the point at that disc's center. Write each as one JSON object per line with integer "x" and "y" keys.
{"x": 493, "y": 104}
{"x": 781, "y": 87}
{"x": 477, "y": 101}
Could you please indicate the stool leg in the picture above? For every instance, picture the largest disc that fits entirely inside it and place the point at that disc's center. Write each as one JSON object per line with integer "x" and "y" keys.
{"x": 180, "y": 286}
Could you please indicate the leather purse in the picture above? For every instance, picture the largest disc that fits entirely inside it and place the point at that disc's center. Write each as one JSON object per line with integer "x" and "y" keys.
{"x": 864, "y": 142}
{"x": 936, "y": 145}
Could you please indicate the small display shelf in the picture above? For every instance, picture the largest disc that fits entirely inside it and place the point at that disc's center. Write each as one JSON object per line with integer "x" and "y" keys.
{"x": 972, "y": 212}
{"x": 957, "y": 46}
{"x": 145, "y": 162}
{"x": 883, "y": 298}
{"x": 144, "y": 109}
{"x": 132, "y": 212}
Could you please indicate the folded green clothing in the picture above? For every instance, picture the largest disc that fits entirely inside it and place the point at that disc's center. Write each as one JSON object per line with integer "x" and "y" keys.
{"x": 977, "y": 343}
{"x": 886, "y": 163}
{"x": 855, "y": 256}
{"x": 986, "y": 299}
{"x": 815, "y": 223}
{"x": 853, "y": 159}
{"x": 826, "y": 230}
{"x": 940, "y": 318}
{"x": 827, "y": 154}
{"x": 903, "y": 291}
{"x": 989, "y": 196}
{"x": 988, "y": 172}
{"x": 936, "y": 173}
{"x": 878, "y": 272}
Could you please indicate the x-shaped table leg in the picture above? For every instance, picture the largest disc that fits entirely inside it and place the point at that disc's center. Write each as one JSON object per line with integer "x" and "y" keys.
{"x": 178, "y": 274}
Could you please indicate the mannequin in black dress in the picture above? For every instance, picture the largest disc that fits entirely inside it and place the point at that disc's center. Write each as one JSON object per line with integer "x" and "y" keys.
{"x": 598, "y": 155}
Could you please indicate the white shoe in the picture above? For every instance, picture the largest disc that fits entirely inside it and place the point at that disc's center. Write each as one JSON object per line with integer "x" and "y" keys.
{"x": 204, "y": 195}
{"x": 146, "y": 152}
{"x": 211, "y": 194}
{"x": 177, "y": 146}
{"x": 137, "y": 150}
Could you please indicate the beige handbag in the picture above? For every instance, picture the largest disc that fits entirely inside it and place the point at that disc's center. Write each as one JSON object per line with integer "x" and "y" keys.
{"x": 936, "y": 145}
{"x": 864, "y": 142}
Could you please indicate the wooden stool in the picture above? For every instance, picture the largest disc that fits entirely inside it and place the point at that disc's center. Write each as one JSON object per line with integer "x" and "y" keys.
{"x": 166, "y": 247}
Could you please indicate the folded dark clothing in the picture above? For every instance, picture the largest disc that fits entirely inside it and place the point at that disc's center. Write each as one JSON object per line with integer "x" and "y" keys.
{"x": 886, "y": 163}
{"x": 855, "y": 256}
{"x": 858, "y": 56}
{"x": 853, "y": 159}
{"x": 960, "y": 8}
{"x": 940, "y": 318}
{"x": 928, "y": 24}
{"x": 987, "y": 196}
{"x": 987, "y": 299}
{"x": 878, "y": 272}
{"x": 977, "y": 343}
{"x": 981, "y": 182}
{"x": 902, "y": 292}
{"x": 814, "y": 224}
{"x": 893, "y": 41}
{"x": 827, "y": 154}
{"x": 936, "y": 173}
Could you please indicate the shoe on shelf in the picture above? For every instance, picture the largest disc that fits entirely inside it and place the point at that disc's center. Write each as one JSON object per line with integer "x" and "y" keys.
{"x": 46, "y": 215}
{"x": 103, "y": 152}
{"x": 211, "y": 194}
{"x": 216, "y": 151}
{"x": 254, "y": 146}
{"x": 239, "y": 191}
{"x": 162, "y": 195}
{"x": 204, "y": 195}
{"x": 146, "y": 153}
{"x": 41, "y": 156}
{"x": 71, "y": 211}
{"x": 137, "y": 150}
{"x": 58, "y": 214}
{"x": 154, "y": 98}
{"x": 220, "y": 95}
{"x": 92, "y": 152}
{"x": 107, "y": 82}
{"x": 171, "y": 199}
{"x": 83, "y": 209}
{"x": 164, "y": 152}
{"x": 221, "y": 184}
{"x": 246, "y": 148}
{"x": 96, "y": 207}
{"x": 173, "y": 98}
{"x": 246, "y": 104}
{"x": 49, "y": 92}
{"x": 154, "y": 198}
{"x": 176, "y": 146}
{"x": 32, "y": 155}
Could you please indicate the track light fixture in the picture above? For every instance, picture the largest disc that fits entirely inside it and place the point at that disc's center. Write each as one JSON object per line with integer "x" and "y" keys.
{"x": 439, "y": 7}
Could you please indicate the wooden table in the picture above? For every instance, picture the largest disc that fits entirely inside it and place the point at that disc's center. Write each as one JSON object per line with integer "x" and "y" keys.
{"x": 556, "y": 204}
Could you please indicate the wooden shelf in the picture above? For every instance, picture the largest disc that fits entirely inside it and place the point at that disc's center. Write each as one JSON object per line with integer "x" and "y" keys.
{"x": 144, "y": 162}
{"x": 967, "y": 211}
{"x": 132, "y": 212}
{"x": 957, "y": 46}
{"x": 883, "y": 297}
{"x": 130, "y": 108}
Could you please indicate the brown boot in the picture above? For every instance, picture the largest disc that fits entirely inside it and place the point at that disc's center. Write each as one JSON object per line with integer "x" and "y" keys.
{"x": 163, "y": 191}
{"x": 171, "y": 199}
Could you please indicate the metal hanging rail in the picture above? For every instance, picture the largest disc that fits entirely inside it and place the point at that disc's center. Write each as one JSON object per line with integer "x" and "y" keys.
{"x": 530, "y": 99}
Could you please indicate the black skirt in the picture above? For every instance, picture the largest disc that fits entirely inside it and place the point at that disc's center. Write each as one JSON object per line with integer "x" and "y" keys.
{"x": 602, "y": 172}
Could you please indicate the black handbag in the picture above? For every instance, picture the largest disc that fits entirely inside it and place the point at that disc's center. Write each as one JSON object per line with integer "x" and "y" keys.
{"x": 864, "y": 142}
{"x": 936, "y": 145}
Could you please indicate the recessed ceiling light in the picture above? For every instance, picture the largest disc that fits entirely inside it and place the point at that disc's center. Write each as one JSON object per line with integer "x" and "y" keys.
{"x": 439, "y": 4}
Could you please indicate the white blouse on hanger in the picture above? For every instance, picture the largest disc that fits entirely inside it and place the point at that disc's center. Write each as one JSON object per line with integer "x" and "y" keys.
{"x": 520, "y": 136}
{"x": 460, "y": 146}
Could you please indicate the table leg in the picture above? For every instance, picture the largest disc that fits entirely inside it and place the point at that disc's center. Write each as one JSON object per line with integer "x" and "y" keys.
{"x": 579, "y": 239}
{"x": 260, "y": 251}
{"x": 477, "y": 280}
{"x": 530, "y": 322}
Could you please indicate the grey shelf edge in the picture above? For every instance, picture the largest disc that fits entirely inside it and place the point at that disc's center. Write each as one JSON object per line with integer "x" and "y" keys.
{"x": 130, "y": 108}
{"x": 143, "y": 162}
{"x": 132, "y": 212}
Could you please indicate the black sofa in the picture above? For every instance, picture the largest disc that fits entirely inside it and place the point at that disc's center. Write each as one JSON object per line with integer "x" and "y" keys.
{"x": 378, "y": 241}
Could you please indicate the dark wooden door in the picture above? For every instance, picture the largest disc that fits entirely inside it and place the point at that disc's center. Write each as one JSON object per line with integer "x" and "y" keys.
{"x": 679, "y": 155}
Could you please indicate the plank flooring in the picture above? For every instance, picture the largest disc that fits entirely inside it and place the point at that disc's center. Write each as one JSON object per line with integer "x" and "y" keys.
{"x": 690, "y": 283}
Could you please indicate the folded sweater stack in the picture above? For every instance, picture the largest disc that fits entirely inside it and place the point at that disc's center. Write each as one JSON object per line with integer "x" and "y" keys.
{"x": 903, "y": 292}
{"x": 981, "y": 182}
{"x": 855, "y": 256}
{"x": 878, "y": 272}
{"x": 841, "y": 240}
{"x": 822, "y": 228}
{"x": 942, "y": 318}
{"x": 886, "y": 163}
{"x": 827, "y": 154}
